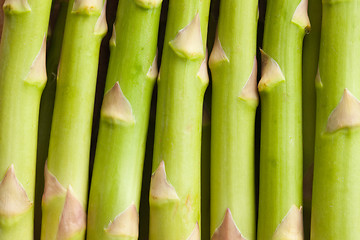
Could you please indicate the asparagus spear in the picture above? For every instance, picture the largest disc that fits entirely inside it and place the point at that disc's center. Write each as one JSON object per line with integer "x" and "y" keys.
{"x": 310, "y": 66}
{"x": 22, "y": 80}
{"x": 175, "y": 184}
{"x": 336, "y": 192}
{"x": 66, "y": 172}
{"x": 280, "y": 197}
{"x": 234, "y": 103}
{"x": 119, "y": 159}
{"x": 46, "y": 107}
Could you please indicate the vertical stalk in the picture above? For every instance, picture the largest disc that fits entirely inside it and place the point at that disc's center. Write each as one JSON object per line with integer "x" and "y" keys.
{"x": 47, "y": 106}
{"x": 234, "y": 102}
{"x": 175, "y": 184}
{"x": 1, "y": 16}
{"x": 116, "y": 182}
{"x": 280, "y": 197}
{"x": 336, "y": 192}
{"x": 22, "y": 80}
{"x": 66, "y": 172}
{"x": 309, "y": 71}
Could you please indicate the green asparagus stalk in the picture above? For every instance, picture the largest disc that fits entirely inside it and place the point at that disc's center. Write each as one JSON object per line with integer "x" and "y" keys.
{"x": 310, "y": 66}
{"x": 66, "y": 172}
{"x": 175, "y": 184}
{"x": 234, "y": 102}
{"x": 205, "y": 174}
{"x": 47, "y": 106}
{"x": 119, "y": 159}
{"x": 22, "y": 80}
{"x": 280, "y": 196}
{"x": 336, "y": 192}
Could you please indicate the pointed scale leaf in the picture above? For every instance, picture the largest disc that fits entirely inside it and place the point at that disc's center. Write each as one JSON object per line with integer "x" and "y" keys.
{"x": 228, "y": 229}
{"x": 126, "y": 224}
{"x": 188, "y": 42}
{"x": 160, "y": 188}
{"x": 291, "y": 227}
{"x": 301, "y": 17}
{"x": 271, "y": 74}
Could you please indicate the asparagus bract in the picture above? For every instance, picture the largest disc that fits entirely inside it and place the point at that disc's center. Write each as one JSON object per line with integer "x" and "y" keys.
{"x": 336, "y": 192}
{"x": 175, "y": 184}
{"x": 310, "y": 66}
{"x": 280, "y": 196}
{"x": 116, "y": 182}
{"x": 234, "y": 102}
{"x": 66, "y": 172}
{"x": 47, "y": 106}
{"x": 22, "y": 80}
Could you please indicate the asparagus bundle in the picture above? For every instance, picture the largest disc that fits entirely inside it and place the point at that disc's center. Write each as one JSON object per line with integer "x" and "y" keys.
{"x": 113, "y": 207}
{"x": 336, "y": 192}
{"x": 175, "y": 184}
{"x": 309, "y": 71}
{"x": 46, "y": 107}
{"x": 66, "y": 172}
{"x": 280, "y": 197}
{"x": 234, "y": 101}
{"x": 22, "y": 79}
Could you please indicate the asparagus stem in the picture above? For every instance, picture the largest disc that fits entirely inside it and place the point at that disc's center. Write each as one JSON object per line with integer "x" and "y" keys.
{"x": 234, "y": 103}
{"x": 46, "y": 108}
{"x": 66, "y": 173}
{"x": 205, "y": 174}
{"x": 280, "y": 197}
{"x": 175, "y": 184}
{"x": 119, "y": 159}
{"x": 22, "y": 80}
{"x": 310, "y": 66}
{"x": 336, "y": 192}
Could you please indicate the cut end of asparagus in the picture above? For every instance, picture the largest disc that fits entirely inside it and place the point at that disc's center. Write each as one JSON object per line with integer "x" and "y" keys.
{"x": 228, "y": 229}
{"x": 291, "y": 227}
{"x": 318, "y": 82}
{"x": 87, "y": 6}
{"x": 250, "y": 91}
{"x": 195, "y": 234}
{"x": 160, "y": 188}
{"x": 113, "y": 37}
{"x": 301, "y": 17}
{"x": 148, "y": 4}
{"x": 37, "y": 75}
{"x": 52, "y": 187}
{"x": 73, "y": 217}
{"x": 16, "y": 6}
{"x": 13, "y": 198}
{"x": 203, "y": 74}
{"x": 346, "y": 114}
{"x": 188, "y": 42}
{"x": 101, "y": 26}
{"x": 116, "y": 107}
{"x": 153, "y": 70}
{"x": 218, "y": 54}
{"x": 271, "y": 74}
{"x": 126, "y": 224}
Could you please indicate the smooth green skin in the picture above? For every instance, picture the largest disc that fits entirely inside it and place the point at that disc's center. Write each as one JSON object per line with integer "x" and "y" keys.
{"x": 281, "y": 125}
{"x": 233, "y": 119}
{"x": 178, "y": 128}
{"x": 69, "y": 147}
{"x": 19, "y": 106}
{"x": 205, "y": 176}
{"x": 310, "y": 61}
{"x": 120, "y": 152}
{"x": 46, "y": 108}
{"x": 336, "y": 192}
